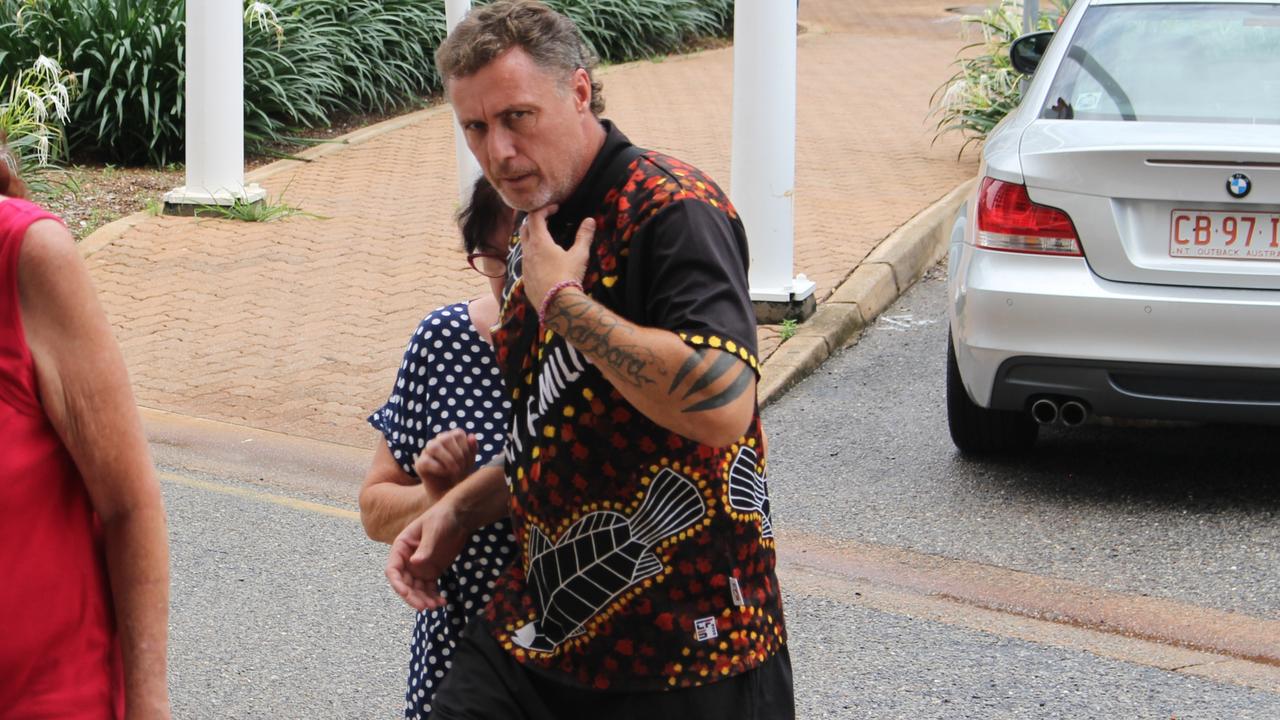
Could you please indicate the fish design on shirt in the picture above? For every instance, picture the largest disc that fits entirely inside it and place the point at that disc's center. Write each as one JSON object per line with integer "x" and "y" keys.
{"x": 600, "y": 557}
{"x": 749, "y": 490}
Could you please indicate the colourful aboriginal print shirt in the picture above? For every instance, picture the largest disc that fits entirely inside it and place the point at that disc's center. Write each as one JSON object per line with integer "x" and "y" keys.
{"x": 647, "y": 558}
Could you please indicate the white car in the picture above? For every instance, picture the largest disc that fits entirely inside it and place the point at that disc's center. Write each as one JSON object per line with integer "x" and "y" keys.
{"x": 1121, "y": 256}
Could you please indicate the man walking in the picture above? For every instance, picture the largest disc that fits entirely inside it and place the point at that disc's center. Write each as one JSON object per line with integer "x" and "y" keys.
{"x": 635, "y": 465}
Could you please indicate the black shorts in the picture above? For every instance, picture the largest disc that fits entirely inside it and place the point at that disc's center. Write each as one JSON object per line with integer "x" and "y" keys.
{"x": 487, "y": 683}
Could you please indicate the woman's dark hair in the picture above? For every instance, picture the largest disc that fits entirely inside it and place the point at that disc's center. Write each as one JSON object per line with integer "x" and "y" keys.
{"x": 483, "y": 214}
{"x": 10, "y": 184}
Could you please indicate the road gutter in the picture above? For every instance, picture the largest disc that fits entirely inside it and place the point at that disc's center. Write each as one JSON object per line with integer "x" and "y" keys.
{"x": 201, "y": 448}
{"x": 1156, "y": 632}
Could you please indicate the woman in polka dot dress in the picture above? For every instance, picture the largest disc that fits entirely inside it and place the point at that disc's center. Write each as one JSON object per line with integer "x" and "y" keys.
{"x": 448, "y": 389}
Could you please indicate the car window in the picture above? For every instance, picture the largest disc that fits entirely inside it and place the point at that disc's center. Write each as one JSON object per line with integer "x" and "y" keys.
{"x": 1171, "y": 63}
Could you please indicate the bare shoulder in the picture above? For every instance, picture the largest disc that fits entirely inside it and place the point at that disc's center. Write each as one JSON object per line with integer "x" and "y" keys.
{"x": 48, "y": 246}
{"x": 49, "y": 265}
{"x": 51, "y": 271}
{"x": 56, "y": 294}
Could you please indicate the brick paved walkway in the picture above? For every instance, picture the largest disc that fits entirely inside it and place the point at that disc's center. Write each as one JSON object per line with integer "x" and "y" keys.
{"x": 297, "y": 326}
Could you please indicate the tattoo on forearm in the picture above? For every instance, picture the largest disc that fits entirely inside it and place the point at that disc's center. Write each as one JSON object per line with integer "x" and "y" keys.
{"x": 727, "y": 395}
{"x": 591, "y": 330}
{"x": 695, "y": 358}
{"x": 596, "y": 333}
{"x": 719, "y": 367}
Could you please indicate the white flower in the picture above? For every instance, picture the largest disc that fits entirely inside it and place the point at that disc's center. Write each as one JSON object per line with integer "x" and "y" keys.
{"x": 264, "y": 17}
{"x": 955, "y": 93}
{"x": 48, "y": 66}
{"x": 260, "y": 12}
{"x": 42, "y": 148}
{"x": 60, "y": 98}
{"x": 35, "y": 102}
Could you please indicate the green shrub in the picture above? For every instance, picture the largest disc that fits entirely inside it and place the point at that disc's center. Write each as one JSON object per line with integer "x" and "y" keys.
{"x": 986, "y": 87}
{"x": 304, "y": 60}
{"x": 386, "y": 55}
{"x": 289, "y": 80}
{"x": 622, "y": 30}
{"x": 33, "y": 109}
{"x": 128, "y": 56}
{"x": 326, "y": 56}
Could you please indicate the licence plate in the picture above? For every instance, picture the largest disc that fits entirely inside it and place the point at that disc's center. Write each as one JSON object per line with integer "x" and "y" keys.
{"x": 1226, "y": 235}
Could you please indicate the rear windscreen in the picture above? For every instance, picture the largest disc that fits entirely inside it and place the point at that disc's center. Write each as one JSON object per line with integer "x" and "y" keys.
{"x": 1171, "y": 63}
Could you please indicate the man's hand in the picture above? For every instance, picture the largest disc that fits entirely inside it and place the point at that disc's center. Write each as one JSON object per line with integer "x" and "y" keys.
{"x": 445, "y": 461}
{"x": 545, "y": 263}
{"x": 422, "y": 552}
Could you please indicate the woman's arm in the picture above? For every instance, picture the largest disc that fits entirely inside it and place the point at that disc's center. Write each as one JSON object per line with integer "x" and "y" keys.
{"x": 389, "y": 497}
{"x": 84, "y": 388}
{"x": 429, "y": 544}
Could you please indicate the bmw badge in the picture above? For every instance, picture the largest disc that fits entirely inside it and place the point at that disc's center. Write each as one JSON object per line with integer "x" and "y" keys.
{"x": 1239, "y": 185}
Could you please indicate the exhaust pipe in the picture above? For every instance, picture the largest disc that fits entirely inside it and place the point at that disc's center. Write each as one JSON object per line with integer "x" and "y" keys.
{"x": 1044, "y": 411}
{"x": 1074, "y": 413}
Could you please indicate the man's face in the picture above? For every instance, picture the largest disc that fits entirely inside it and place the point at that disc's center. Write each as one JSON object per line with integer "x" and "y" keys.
{"x": 527, "y": 127}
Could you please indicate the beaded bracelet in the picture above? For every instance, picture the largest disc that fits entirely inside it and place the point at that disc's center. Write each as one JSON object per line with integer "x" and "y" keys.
{"x": 551, "y": 295}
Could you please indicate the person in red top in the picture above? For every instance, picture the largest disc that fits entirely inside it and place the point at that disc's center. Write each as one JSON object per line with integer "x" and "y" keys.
{"x": 84, "y": 559}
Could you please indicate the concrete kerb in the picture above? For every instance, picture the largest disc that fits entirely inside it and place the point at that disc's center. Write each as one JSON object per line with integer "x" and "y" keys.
{"x": 109, "y": 233}
{"x": 198, "y": 447}
{"x": 880, "y": 279}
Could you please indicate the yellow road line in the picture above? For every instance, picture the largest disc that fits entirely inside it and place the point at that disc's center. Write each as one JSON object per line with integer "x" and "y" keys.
{"x": 294, "y": 503}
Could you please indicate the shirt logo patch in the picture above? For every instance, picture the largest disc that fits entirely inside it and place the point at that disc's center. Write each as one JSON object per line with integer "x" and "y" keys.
{"x": 736, "y": 591}
{"x": 705, "y": 629}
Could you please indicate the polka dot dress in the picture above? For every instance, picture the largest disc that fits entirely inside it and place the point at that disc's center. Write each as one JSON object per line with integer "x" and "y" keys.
{"x": 448, "y": 379}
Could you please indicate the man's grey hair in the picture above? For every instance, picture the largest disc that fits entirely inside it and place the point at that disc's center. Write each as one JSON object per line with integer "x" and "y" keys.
{"x": 550, "y": 39}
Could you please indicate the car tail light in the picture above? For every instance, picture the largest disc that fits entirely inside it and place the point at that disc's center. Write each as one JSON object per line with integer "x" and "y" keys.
{"x": 1009, "y": 221}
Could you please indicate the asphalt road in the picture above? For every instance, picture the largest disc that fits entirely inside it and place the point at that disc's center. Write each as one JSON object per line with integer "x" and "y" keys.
{"x": 280, "y": 609}
{"x": 279, "y": 612}
{"x": 860, "y": 450}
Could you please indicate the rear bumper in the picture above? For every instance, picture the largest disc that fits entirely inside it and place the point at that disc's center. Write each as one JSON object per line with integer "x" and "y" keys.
{"x": 1027, "y": 325}
{"x": 1138, "y": 390}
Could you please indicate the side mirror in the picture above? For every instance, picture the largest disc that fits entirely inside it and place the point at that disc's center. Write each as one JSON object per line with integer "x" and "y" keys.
{"x": 1026, "y": 51}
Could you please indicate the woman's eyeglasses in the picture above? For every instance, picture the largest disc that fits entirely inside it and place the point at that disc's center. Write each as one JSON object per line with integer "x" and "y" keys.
{"x": 488, "y": 264}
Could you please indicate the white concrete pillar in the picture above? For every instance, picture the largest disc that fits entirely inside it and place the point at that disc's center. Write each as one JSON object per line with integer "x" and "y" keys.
{"x": 468, "y": 168}
{"x": 762, "y": 182}
{"x": 1030, "y": 15}
{"x": 215, "y": 106}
